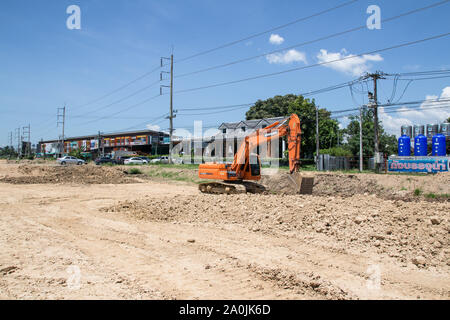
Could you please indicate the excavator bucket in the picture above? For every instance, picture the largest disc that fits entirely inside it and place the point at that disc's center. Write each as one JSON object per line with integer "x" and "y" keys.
{"x": 302, "y": 184}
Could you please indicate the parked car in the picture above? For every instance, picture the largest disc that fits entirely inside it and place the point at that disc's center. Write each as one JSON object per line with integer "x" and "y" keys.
{"x": 102, "y": 160}
{"x": 134, "y": 160}
{"x": 146, "y": 160}
{"x": 121, "y": 159}
{"x": 70, "y": 160}
{"x": 163, "y": 159}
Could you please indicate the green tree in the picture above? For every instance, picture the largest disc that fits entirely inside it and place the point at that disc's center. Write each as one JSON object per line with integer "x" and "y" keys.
{"x": 388, "y": 143}
{"x": 283, "y": 106}
{"x": 76, "y": 153}
{"x": 448, "y": 120}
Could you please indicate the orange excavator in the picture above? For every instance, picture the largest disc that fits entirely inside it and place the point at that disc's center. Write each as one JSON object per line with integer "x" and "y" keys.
{"x": 246, "y": 166}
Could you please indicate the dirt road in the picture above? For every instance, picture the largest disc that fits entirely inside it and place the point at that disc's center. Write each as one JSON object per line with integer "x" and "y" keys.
{"x": 72, "y": 241}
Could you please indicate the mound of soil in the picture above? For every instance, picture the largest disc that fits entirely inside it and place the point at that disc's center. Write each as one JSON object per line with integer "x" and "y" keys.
{"x": 87, "y": 174}
{"x": 394, "y": 187}
{"x": 416, "y": 233}
{"x": 345, "y": 184}
{"x": 325, "y": 184}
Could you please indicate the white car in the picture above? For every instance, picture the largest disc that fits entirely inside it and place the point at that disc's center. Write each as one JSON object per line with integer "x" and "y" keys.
{"x": 163, "y": 159}
{"x": 70, "y": 160}
{"x": 134, "y": 161}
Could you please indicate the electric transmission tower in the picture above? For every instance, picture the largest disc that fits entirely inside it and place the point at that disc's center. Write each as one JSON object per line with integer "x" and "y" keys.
{"x": 60, "y": 121}
{"x": 171, "y": 116}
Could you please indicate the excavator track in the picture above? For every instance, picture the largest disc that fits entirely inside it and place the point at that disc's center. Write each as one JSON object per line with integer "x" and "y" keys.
{"x": 231, "y": 188}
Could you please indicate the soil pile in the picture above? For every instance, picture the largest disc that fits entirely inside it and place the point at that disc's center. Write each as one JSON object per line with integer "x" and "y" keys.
{"x": 326, "y": 184}
{"x": 395, "y": 187}
{"x": 410, "y": 232}
{"x": 87, "y": 174}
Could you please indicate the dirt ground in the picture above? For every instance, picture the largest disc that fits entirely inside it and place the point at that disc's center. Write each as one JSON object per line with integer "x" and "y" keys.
{"x": 96, "y": 232}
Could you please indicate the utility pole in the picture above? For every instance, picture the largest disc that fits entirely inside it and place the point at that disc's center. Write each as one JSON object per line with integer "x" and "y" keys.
{"x": 171, "y": 116}
{"x": 374, "y": 99}
{"x": 17, "y": 132}
{"x": 101, "y": 145}
{"x": 26, "y": 133}
{"x": 10, "y": 139}
{"x": 360, "y": 141}
{"x": 317, "y": 138}
{"x": 61, "y": 120}
{"x": 42, "y": 147}
{"x": 11, "y": 147}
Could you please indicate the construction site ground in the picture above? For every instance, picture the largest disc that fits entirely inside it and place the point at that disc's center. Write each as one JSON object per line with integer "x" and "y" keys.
{"x": 89, "y": 232}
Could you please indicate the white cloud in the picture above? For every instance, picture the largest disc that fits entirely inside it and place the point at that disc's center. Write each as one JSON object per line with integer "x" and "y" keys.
{"x": 287, "y": 57}
{"x": 355, "y": 66}
{"x": 153, "y": 127}
{"x": 420, "y": 116}
{"x": 276, "y": 39}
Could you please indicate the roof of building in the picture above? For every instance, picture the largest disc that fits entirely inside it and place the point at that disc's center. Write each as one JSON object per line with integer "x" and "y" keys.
{"x": 250, "y": 124}
{"x": 107, "y": 135}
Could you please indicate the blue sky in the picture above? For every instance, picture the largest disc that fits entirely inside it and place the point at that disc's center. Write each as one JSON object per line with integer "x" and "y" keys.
{"x": 44, "y": 65}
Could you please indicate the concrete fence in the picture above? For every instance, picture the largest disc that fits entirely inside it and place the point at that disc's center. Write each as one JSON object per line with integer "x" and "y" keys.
{"x": 327, "y": 162}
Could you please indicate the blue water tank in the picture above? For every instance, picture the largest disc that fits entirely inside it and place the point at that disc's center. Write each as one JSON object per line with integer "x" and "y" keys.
{"x": 438, "y": 147}
{"x": 420, "y": 146}
{"x": 404, "y": 146}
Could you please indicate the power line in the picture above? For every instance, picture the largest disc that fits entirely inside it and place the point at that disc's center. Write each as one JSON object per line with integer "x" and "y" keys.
{"x": 208, "y": 113}
{"x": 213, "y": 49}
{"x": 123, "y": 110}
{"x": 216, "y": 107}
{"x": 418, "y": 108}
{"x": 119, "y": 89}
{"x": 421, "y": 73}
{"x": 330, "y": 88}
{"x": 410, "y": 109}
{"x": 427, "y": 101}
{"x": 309, "y": 93}
{"x": 426, "y": 78}
{"x": 126, "y": 97}
{"x": 398, "y": 105}
{"x": 361, "y": 27}
{"x": 265, "y": 32}
{"x": 161, "y": 117}
{"x": 315, "y": 65}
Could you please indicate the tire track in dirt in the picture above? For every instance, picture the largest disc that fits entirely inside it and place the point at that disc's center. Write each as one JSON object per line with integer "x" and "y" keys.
{"x": 187, "y": 271}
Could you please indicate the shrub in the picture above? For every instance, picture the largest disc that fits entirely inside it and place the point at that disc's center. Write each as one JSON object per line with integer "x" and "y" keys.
{"x": 134, "y": 171}
{"x": 337, "y": 152}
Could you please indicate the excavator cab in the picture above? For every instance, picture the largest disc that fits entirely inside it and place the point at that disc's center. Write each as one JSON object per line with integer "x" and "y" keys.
{"x": 255, "y": 165}
{"x": 252, "y": 169}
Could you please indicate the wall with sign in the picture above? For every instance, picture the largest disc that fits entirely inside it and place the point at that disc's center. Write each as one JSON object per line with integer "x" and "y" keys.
{"x": 428, "y": 165}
